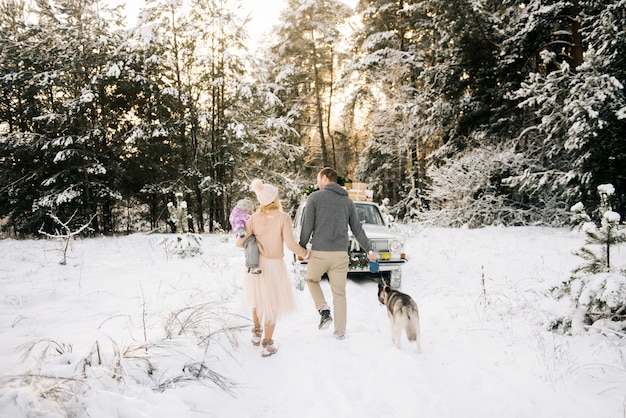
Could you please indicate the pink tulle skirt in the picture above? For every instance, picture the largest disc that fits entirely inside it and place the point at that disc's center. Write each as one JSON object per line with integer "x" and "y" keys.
{"x": 270, "y": 292}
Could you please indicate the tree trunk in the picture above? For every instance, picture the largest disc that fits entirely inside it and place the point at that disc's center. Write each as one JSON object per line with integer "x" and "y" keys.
{"x": 199, "y": 208}
{"x": 107, "y": 218}
{"x": 318, "y": 110}
{"x": 577, "y": 39}
{"x": 331, "y": 137}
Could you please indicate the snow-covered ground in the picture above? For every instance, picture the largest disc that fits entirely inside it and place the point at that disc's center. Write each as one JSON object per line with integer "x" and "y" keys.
{"x": 123, "y": 329}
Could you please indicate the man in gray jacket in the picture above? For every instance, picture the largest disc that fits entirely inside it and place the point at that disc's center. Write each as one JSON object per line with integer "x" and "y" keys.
{"x": 327, "y": 215}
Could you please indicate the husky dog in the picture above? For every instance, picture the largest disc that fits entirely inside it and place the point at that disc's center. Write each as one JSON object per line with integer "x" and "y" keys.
{"x": 402, "y": 312}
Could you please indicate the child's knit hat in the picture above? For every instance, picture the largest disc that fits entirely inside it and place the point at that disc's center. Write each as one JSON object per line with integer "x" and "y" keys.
{"x": 245, "y": 204}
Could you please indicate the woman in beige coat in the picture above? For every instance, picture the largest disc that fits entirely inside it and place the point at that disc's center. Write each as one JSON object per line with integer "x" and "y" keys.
{"x": 269, "y": 294}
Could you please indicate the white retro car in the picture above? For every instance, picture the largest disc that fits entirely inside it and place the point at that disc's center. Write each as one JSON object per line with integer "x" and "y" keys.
{"x": 385, "y": 240}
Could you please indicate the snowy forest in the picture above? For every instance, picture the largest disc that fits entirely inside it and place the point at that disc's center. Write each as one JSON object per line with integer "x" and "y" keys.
{"x": 471, "y": 112}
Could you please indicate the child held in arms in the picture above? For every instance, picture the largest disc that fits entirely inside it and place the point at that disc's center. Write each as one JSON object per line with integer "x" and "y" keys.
{"x": 238, "y": 218}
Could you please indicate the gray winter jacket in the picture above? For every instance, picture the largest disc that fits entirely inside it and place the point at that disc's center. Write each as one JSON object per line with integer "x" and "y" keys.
{"x": 327, "y": 215}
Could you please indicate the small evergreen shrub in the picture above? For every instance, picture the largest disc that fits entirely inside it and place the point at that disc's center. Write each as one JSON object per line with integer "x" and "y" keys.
{"x": 596, "y": 288}
{"x": 184, "y": 244}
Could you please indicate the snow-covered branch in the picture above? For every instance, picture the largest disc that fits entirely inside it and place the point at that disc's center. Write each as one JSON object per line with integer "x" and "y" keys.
{"x": 67, "y": 233}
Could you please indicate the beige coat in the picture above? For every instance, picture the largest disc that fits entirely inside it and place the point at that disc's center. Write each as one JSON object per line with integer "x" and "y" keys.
{"x": 273, "y": 231}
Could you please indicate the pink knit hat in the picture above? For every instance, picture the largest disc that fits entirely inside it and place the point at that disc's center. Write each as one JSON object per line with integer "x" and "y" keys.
{"x": 266, "y": 193}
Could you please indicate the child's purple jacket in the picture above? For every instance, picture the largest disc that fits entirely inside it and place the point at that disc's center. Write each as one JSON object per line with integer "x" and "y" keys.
{"x": 238, "y": 218}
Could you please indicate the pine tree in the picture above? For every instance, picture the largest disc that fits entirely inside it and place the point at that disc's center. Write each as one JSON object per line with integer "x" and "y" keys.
{"x": 307, "y": 59}
{"x": 573, "y": 138}
{"x": 600, "y": 236}
{"x": 597, "y": 290}
{"x": 59, "y": 115}
{"x": 201, "y": 66}
{"x": 390, "y": 51}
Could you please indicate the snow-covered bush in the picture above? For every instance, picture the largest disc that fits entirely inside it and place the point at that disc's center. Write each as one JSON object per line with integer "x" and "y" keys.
{"x": 183, "y": 245}
{"x": 471, "y": 190}
{"x": 597, "y": 289}
{"x": 60, "y": 379}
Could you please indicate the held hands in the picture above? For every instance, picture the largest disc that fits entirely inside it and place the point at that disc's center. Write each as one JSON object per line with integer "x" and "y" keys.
{"x": 371, "y": 255}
